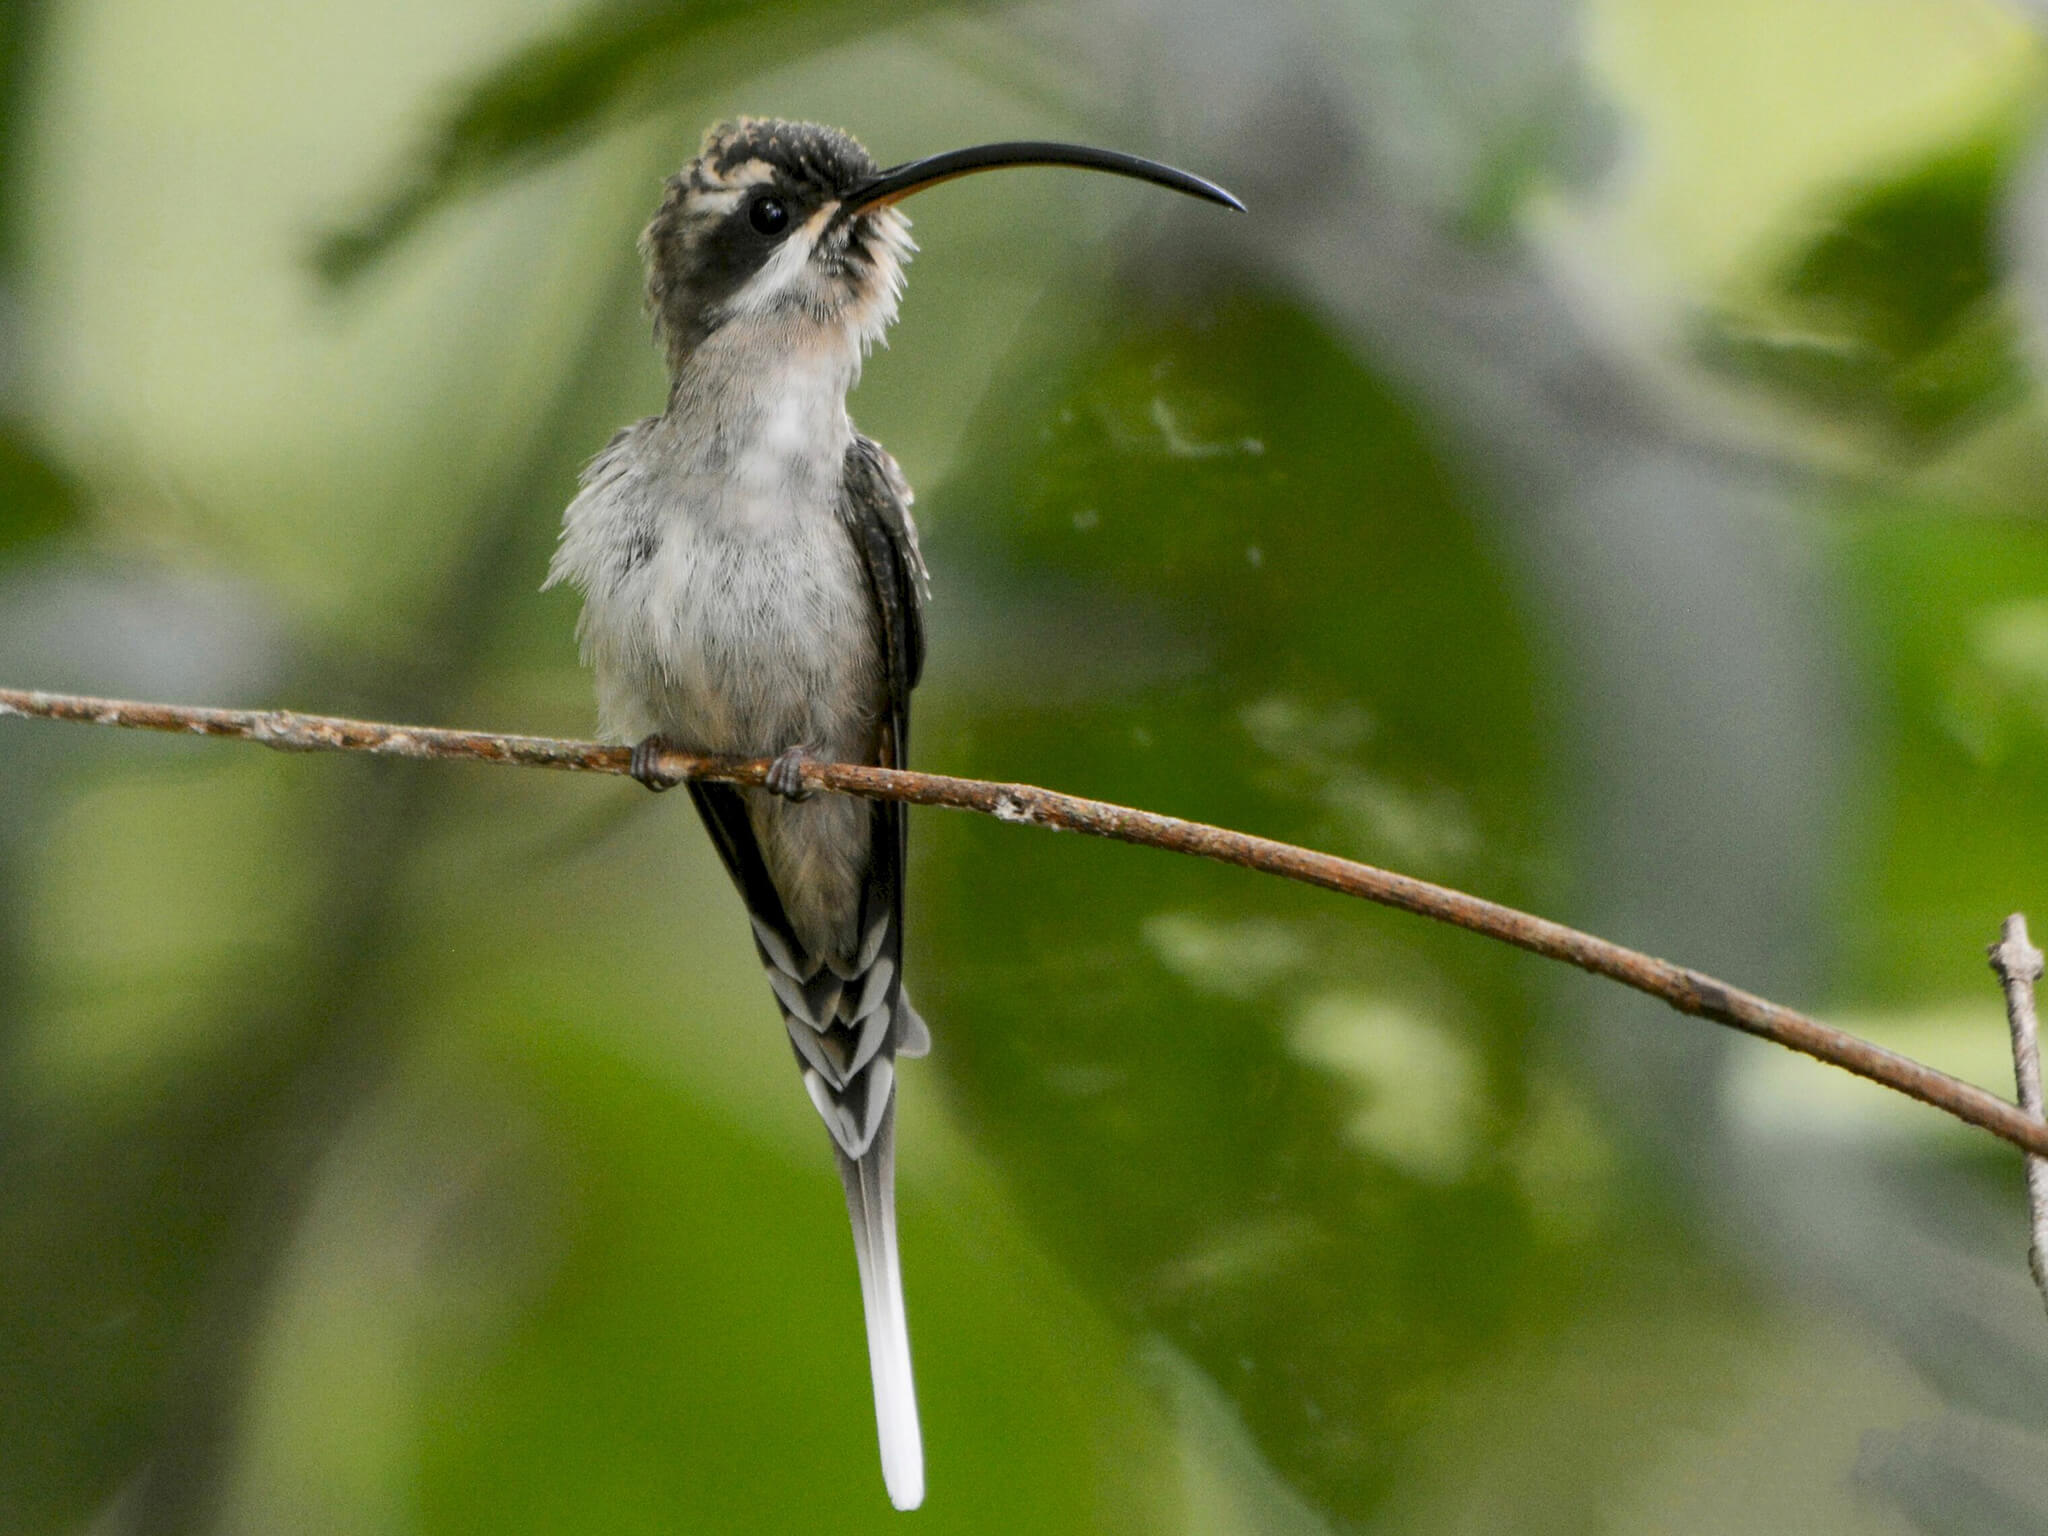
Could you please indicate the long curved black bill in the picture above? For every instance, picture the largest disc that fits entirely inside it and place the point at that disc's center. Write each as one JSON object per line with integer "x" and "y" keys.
{"x": 900, "y": 181}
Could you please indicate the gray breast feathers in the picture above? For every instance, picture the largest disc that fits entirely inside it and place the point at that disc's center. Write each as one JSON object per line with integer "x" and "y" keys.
{"x": 729, "y": 621}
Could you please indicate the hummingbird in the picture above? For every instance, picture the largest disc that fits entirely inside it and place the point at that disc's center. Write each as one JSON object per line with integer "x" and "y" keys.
{"x": 753, "y": 586}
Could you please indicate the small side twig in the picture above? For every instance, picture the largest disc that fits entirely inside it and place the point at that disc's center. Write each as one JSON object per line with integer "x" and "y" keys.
{"x": 2019, "y": 966}
{"x": 1680, "y": 987}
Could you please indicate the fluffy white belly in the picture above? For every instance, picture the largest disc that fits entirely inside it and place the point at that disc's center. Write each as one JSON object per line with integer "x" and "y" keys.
{"x": 725, "y": 606}
{"x": 732, "y": 641}
{"x": 738, "y": 625}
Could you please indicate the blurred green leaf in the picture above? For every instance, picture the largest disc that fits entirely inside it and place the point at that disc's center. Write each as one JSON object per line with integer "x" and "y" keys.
{"x": 556, "y": 93}
{"x": 37, "y": 497}
{"x": 1566, "y": 138}
{"x": 696, "y": 1360}
{"x": 1291, "y": 1136}
{"x": 1892, "y": 318}
{"x": 1957, "y": 801}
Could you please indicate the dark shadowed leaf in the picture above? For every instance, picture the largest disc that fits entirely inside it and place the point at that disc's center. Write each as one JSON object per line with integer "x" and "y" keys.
{"x": 37, "y": 498}
{"x": 1267, "y": 1127}
{"x": 558, "y": 92}
{"x": 1892, "y": 319}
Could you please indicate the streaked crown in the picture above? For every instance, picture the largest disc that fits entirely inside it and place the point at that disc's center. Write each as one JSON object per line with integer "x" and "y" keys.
{"x": 749, "y": 231}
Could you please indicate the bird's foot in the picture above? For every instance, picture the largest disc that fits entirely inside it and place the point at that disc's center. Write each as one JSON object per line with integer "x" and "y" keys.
{"x": 786, "y": 775}
{"x": 646, "y": 766}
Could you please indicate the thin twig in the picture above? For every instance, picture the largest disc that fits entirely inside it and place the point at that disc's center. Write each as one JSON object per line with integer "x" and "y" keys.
{"x": 2019, "y": 965}
{"x": 1686, "y": 990}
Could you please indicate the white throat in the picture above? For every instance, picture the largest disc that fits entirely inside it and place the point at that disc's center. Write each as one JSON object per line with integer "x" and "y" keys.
{"x": 757, "y": 423}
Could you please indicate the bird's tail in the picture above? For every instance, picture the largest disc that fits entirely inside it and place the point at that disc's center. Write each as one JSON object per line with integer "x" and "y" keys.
{"x": 848, "y": 1020}
{"x": 870, "y": 1181}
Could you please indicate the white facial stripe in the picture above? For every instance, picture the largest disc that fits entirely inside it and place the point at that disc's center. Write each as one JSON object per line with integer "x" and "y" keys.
{"x": 748, "y": 173}
{"x": 788, "y": 269}
{"x": 718, "y": 203}
{"x": 892, "y": 232}
{"x": 791, "y": 283}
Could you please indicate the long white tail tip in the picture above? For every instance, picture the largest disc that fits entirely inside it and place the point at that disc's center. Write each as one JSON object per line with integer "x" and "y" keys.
{"x": 903, "y": 1474}
{"x": 871, "y": 1202}
{"x": 896, "y": 1426}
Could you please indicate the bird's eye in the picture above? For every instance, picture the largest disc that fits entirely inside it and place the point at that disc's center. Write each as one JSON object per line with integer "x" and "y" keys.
{"x": 768, "y": 216}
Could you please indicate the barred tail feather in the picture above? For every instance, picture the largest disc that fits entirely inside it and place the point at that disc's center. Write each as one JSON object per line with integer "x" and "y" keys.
{"x": 871, "y": 1203}
{"x": 848, "y": 1020}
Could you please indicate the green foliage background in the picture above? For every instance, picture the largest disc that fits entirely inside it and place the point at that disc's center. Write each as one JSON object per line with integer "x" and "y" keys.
{"x": 388, "y": 1149}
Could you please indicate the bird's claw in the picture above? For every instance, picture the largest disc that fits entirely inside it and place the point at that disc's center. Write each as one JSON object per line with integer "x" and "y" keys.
{"x": 646, "y": 765}
{"x": 786, "y": 775}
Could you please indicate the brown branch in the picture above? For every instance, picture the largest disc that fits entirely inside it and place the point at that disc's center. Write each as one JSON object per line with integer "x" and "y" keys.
{"x": 2019, "y": 966}
{"x": 1686, "y": 990}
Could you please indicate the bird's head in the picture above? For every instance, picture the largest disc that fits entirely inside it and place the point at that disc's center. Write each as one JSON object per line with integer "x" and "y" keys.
{"x": 750, "y": 231}
{"x": 792, "y": 226}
